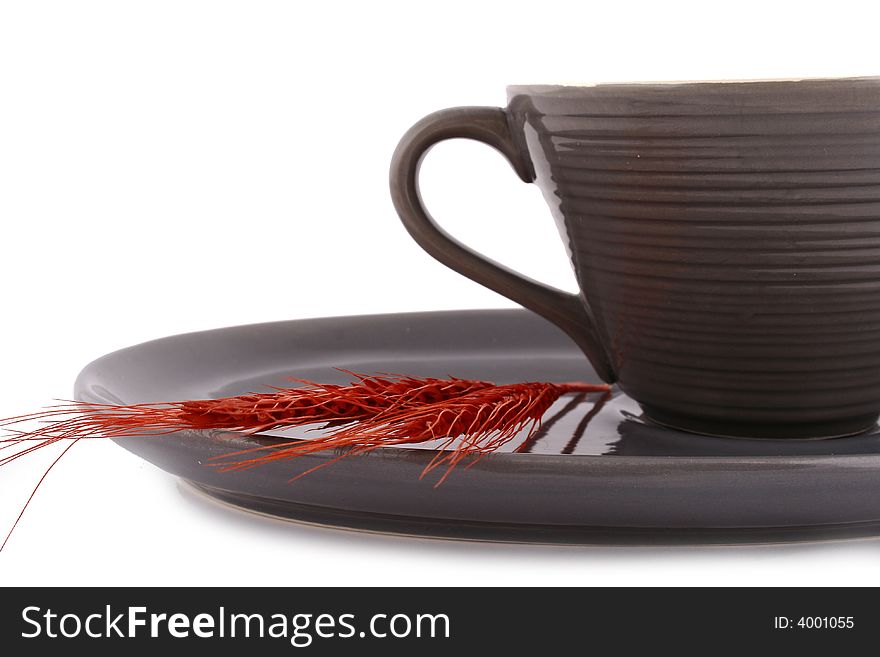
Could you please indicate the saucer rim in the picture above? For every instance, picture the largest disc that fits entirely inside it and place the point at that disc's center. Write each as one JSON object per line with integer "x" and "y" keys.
{"x": 681, "y": 499}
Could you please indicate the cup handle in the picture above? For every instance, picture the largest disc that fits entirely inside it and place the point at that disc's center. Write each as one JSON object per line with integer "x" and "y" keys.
{"x": 490, "y": 126}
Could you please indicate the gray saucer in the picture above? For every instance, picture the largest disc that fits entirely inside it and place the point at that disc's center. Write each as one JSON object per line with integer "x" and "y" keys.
{"x": 605, "y": 477}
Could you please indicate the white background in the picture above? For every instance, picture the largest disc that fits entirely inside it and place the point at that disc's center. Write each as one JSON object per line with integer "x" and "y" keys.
{"x": 175, "y": 166}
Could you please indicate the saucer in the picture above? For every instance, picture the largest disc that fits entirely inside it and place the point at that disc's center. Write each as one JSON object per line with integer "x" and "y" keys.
{"x": 605, "y": 475}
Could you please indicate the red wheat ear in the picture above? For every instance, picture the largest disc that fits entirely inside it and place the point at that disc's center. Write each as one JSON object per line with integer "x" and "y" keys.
{"x": 284, "y": 408}
{"x": 374, "y": 411}
{"x": 471, "y": 424}
{"x": 472, "y": 417}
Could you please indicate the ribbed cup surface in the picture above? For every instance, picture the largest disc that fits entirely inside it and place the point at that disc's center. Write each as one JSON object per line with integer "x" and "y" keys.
{"x": 727, "y": 239}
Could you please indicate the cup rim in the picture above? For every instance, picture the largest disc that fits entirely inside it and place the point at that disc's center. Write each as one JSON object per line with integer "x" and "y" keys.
{"x": 557, "y": 89}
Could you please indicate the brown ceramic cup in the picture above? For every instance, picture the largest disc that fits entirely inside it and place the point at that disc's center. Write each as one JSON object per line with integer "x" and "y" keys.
{"x": 725, "y": 238}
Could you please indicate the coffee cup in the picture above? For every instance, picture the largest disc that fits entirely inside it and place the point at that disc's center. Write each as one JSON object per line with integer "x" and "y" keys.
{"x": 725, "y": 237}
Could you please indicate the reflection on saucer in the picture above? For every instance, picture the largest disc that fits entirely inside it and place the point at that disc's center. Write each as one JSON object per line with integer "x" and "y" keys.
{"x": 618, "y": 427}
